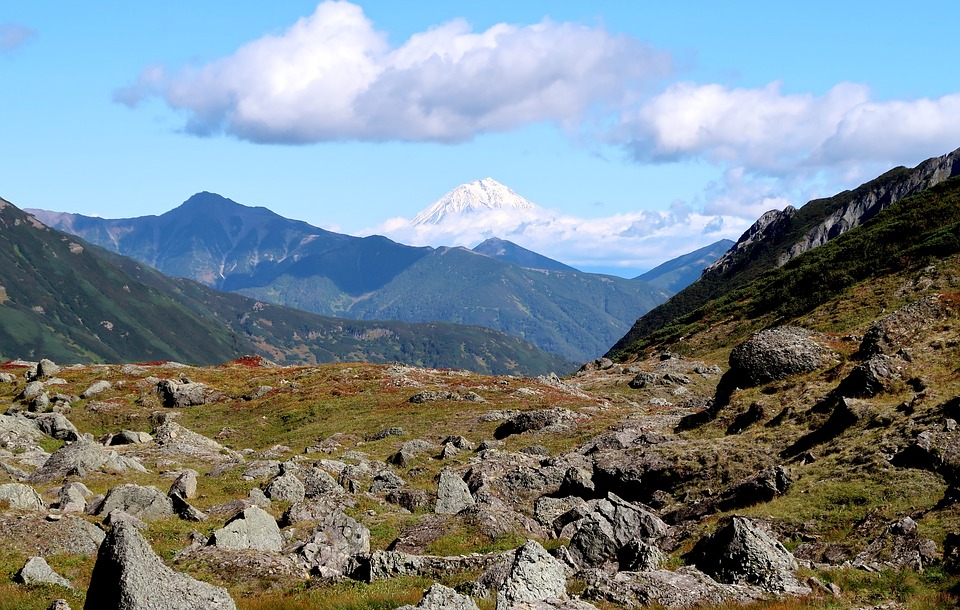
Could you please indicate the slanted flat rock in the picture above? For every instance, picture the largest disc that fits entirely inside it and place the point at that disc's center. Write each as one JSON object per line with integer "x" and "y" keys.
{"x": 128, "y": 575}
{"x": 36, "y": 570}
{"x": 80, "y": 458}
{"x": 253, "y": 528}
{"x": 612, "y": 524}
{"x": 684, "y": 588}
{"x": 179, "y": 441}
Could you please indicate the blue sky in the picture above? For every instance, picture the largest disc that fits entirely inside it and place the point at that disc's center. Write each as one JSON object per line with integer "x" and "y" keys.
{"x": 651, "y": 128}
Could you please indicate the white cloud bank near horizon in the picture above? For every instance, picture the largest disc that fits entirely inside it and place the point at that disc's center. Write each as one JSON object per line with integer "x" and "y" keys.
{"x": 631, "y": 242}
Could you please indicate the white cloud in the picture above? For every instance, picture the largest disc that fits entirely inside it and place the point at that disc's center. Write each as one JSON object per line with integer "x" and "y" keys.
{"x": 633, "y": 242}
{"x": 14, "y": 35}
{"x": 772, "y": 133}
{"x": 332, "y": 76}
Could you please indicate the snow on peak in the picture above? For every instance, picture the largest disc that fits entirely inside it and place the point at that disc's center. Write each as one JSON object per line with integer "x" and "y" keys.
{"x": 480, "y": 196}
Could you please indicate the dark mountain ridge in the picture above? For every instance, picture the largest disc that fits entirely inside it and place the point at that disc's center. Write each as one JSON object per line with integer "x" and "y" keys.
{"x": 778, "y": 237}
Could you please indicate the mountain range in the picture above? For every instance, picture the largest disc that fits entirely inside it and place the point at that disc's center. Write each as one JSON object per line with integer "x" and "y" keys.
{"x": 499, "y": 285}
{"x": 63, "y": 298}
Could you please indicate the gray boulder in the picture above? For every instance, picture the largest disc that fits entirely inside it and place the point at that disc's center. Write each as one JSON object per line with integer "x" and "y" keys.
{"x": 20, "y": 496}
{"x": 57, "y": 425}
{"x": 253, "y": 528}
{"x": 145, "y": 503}
{"x": 439, "y": 597}
{"x": 640, "y": 556}
{"x": 73, "y": 498}
{"x": 80, "y": 458}
{"x": 178, "y": 441}
{"x": 285, "y": 488}
{"x": 128, "y": 575}
{"x": 453, "y": 495}
{"x": 775, "y": 354}
{"x": 612, "y": 524}
{"x": 534, "y": 575}
{"x": 411, "y": 449}
{"x": 317, "y": 483}
{"x": 185, "y": 485}
{"x": 386, "y": 480}
{"x": 336, "y": 546}
{"x": 36, "y": 570}
{"x": 869, "y": 378}
{"x": 129, "y": 437}
{"x": 742, "y": 553}
{"x": 178, "y": 394}
{"x": 47, "y": 368}
{"x": 534, "y": 421}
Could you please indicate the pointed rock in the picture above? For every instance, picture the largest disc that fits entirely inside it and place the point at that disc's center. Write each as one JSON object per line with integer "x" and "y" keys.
{"x": 533, "y": 576}
{"x": 128, "y": 575}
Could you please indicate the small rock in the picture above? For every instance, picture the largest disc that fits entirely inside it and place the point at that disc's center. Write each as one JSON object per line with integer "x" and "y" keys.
{"x": 36, "y": 570}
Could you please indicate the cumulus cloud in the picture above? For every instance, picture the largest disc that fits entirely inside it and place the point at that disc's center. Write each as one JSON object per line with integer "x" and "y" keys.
{"x": 633, "y": 242}
{"x": 332, "y": 76}
{"x": 773, "y": 133}
{"x": 13, "y": 36}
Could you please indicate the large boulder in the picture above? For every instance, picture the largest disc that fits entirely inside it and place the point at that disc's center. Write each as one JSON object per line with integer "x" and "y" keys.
{"x": 285, "y": 488}
{"x": 80, "y": 458}
{"x": 56, "y": 425}
{"x": 740, "y": 552}
{"x": 684, "y": 588}
{"x": 253, "y": 528}
{"x": 534, "y": 575}
{"x": 610, "y": 526}
{"x": 128, "y": 575}
{"x": 145, "y": 503}
{"x": 869, "y": 378}
{"x": 773, "y": 354}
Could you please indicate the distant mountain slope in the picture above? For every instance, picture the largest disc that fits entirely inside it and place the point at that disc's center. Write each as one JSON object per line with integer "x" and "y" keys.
{"x": 65, "y": 299}
{"x": 676, "y": 274}
{"x": 777, "y": 238}
{"x": 262, "y": 255}
{"x": 512, "y": 253}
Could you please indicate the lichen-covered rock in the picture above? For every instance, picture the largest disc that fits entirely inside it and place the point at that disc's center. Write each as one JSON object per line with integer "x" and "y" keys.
{"x": 453, "y": 495}
{"x": 899, "y": 329}
{"x": 145, "y": 503}
{"x": 178, "y": 394}
{"x": 869, "y": 378}
{"x": 612, "y": 524}
{"x": 285, "y": 488}
{"x": 20, "y": 496}
{"x": 336, "y": 545}
{"x": 81, "y": 457}
{"x": 534, "y": 575}
{"x": 185, "y": 485}
{"x": 178, "y": 441}
{"x": 253, "y": 529}
{"x": 534, "y": 421}
{"x": 640, "y": 556}
{"x": 439, "y": 597}
{"x": 128, "y": 575}
{"x": 684, "y": 588}
{"x": 410, "y": 450}
{"x": 97, "y": 387}
{"x": 742, "y": 553}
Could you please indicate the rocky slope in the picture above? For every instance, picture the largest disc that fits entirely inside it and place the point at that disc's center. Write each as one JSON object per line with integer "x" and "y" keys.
{"x": 815, "y": 462}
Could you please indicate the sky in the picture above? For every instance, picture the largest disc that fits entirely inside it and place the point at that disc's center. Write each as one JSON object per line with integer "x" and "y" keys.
{"x": 647, "y": 129}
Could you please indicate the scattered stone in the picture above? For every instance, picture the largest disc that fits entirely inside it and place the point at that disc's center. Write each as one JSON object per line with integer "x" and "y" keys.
{"x": 57, "y": 426}
{"x": 387, "y": 432}
{"x": 95, "y": 388}
{"x": 534, "y": 421}
{"x": 435, "y": 396}
{"x": 409, "y": 498}
{"x": 775, "y": 354}
{"x": 36, "y": 571}
{"x": 410, "y": 450}
{"x": 285, "y": 488}
{"x": 609, "y": 527}
{"x": 59, "y": 604}
{"x": 178, "y": 441}
{"x": 385, "y": 481}
{"x": 869, "y": 378}
{"x": 453, "y": 495}
{"x": 684, "y": 588}
{"x": 128, "y": 575}
{"x": 46, "y": 368}
{"x": 72, "y": 498}
{"x": 185, "y": 510}
{"x": 640, "y": 556}
{"x": 336, "y": 545}
{"x": 129, "y": 437}
{"x": 253, "y": 529}
{"x": 317, "y": 483}
{"x": 261, "y": 469}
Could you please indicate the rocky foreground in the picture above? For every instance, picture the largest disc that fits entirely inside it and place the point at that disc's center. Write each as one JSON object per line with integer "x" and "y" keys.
{"x": 671, "y": 481}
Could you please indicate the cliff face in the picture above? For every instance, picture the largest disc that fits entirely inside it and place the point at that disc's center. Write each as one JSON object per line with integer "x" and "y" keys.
{"x": 929, "y": 173}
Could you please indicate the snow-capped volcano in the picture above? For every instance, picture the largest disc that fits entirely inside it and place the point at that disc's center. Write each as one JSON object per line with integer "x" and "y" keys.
{"x": 480, "y": 196}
